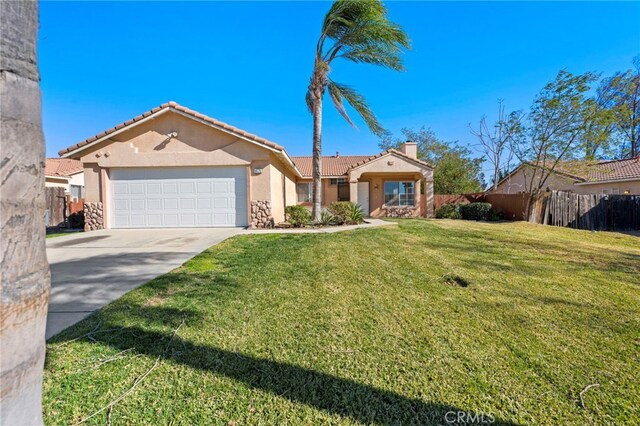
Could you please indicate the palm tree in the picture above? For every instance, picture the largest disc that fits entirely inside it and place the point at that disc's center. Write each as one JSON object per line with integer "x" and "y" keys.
{"x": 359, "y": 31}
{"x": 24, "y": 272}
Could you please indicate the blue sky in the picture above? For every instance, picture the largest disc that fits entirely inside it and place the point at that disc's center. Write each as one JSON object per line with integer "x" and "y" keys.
{"x": 249, "y": 64}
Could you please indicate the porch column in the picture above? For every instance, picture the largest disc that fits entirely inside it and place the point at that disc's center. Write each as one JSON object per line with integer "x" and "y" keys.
{"x": 353, "y": 190}
{"x": 428, "y": 192}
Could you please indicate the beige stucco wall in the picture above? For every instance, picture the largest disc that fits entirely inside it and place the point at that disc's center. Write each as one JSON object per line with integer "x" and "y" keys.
{"x": 53, "y": 181}
{"x": 520, "y": 181}
{"x": 620, "y": 187}
{"x": 391, "y": 167}
{"x": 91, "y": 182}
{"x": 391, "y": 164}
{"x": 77, "y": 179}
{"x": 376, "y": 191}
{"x": 376, "y": 173}
{"x": 196, "y": 144}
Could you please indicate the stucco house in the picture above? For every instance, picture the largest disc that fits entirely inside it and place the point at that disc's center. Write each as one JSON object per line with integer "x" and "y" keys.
{"x": 66, "y": 173}
{"x": 602, "y": 177}
{"x": 175, "y": 167}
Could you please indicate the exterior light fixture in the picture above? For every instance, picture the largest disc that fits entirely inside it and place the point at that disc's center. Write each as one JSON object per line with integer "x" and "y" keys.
{"x": 257, "y": 170}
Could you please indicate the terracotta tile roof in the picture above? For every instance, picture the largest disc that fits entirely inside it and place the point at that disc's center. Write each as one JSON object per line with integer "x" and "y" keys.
{"x": 62, "y": 167}
{"x": 339, "y": 166}
{"x": 602, "y": 170}
{"x": 177, "y": 107}
{"x": 331, "y": 165}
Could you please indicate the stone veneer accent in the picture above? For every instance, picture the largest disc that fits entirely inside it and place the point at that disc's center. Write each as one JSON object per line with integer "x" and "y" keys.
{"x": 261, "y": 214}
{"x": 93, "y": 216}
{"x": 399, "y": 211}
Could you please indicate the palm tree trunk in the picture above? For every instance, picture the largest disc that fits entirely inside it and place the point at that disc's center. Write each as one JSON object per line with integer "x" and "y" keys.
{"x": 317, "y": 159}
{"x": 24, "y": 272}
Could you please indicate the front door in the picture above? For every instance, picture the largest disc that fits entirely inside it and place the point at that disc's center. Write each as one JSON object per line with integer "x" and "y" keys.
{"x": 343, "y": 191}
{"x": 363, "y": 197}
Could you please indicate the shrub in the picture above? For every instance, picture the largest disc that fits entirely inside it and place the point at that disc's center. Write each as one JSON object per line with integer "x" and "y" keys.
{"x": 356, "y": 215}
{"x": 76, "y": 220}
{"x": 449, "y": 211}
{"x": 475, "y": 211}
{"x": 297, "y": 216}
{"x": 494, "y": 215}
{"x": 341, "y": 211}
{"x": 326, "y": 218}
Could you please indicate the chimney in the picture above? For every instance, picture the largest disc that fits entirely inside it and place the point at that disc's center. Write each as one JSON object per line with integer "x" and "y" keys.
{"x": 410, "y": 149}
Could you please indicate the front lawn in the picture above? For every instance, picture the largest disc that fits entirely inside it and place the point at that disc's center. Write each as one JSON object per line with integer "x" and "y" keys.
{"x": 60, "y": 234}
{"x": 395, "y": 325}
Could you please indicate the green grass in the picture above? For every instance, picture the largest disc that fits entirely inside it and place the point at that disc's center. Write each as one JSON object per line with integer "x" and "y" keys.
{"x": 60, "y": 234}
{"x": 368, "y": 327}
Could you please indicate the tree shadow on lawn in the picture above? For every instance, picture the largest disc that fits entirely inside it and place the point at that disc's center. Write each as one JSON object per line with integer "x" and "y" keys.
{"x": 335, "y": 395}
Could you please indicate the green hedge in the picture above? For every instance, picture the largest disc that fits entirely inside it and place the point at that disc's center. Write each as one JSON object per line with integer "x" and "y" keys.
{"x": 449, "y": 211}
{"x": 475, "y": 211}
{"x": 297, "y": 216}
{"x": 346, "y": 212}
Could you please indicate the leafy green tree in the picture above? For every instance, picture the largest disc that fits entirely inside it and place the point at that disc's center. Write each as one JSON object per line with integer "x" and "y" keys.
{"x": 622, "y": 95}
{"x": 555, "y": 128}
{"x": 358, "y": 31}
{"x": 455, "y": 171}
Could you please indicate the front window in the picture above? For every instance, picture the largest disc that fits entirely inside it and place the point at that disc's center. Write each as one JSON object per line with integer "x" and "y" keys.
{"x": 304, "y": 191}
{"x": 399, "y": 193}
{"x": 75, "y": 191}
{"x": 337, "y": 181}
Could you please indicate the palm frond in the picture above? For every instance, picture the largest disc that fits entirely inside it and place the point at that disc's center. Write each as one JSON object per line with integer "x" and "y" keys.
{"x": 340, "y": 93}
{"x": 363, "y": 33}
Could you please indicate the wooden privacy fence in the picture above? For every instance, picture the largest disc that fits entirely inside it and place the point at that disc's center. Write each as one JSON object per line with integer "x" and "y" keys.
{"x": 59, "y": 206}
{"x": 596, "y": 212}
{"x": 441, "y": 199}
{"x": 75, "y": 205}
{"x": 55, "y": 200}
{"x": 512, "y": 206}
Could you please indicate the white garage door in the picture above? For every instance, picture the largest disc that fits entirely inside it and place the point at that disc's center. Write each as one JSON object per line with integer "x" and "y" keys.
{"x": 175, "y": 197}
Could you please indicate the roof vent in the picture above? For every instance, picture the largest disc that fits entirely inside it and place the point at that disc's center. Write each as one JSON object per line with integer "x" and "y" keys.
{"x": 337, "y": 154}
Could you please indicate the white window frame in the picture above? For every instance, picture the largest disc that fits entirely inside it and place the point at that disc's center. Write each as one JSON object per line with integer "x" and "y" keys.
{"x": 309, "y": 190}
{"x": 399, "y": 182}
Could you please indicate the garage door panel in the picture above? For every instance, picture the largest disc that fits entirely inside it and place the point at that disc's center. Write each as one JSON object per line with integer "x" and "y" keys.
{"x": 170, "y": 203}
{"x": 120, "y": 188}
{"x": 154, "y": 203}
{"x": 154, "y": 220}
{"x": 203, "y": 204}
{"x": 203, "y": 188}
{"x": 170, "y": 188}
{"x": 136, "y": 188}
{"x": 154, "y": 188}
{"x": 138, "y": 204}
{"x": 187, "y": 203}
{"x": 178, "y": 197}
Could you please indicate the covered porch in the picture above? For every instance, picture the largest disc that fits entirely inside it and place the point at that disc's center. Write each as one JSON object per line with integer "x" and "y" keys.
{"x": 390, "y": 195}
{"x": 393, "y": 185}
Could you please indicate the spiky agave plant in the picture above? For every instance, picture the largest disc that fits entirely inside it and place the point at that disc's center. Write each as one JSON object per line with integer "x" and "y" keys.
{"x": 358, "y": 31}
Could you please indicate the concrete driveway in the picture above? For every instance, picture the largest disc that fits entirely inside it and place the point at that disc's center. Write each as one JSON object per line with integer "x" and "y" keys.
{"x": 90, "y": 270}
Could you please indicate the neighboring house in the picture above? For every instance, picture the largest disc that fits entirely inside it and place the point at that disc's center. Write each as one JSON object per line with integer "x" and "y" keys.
{"x": 582, "y": 177}
{"x": 66, "y": 173}
{"x": 175, "y": 167}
